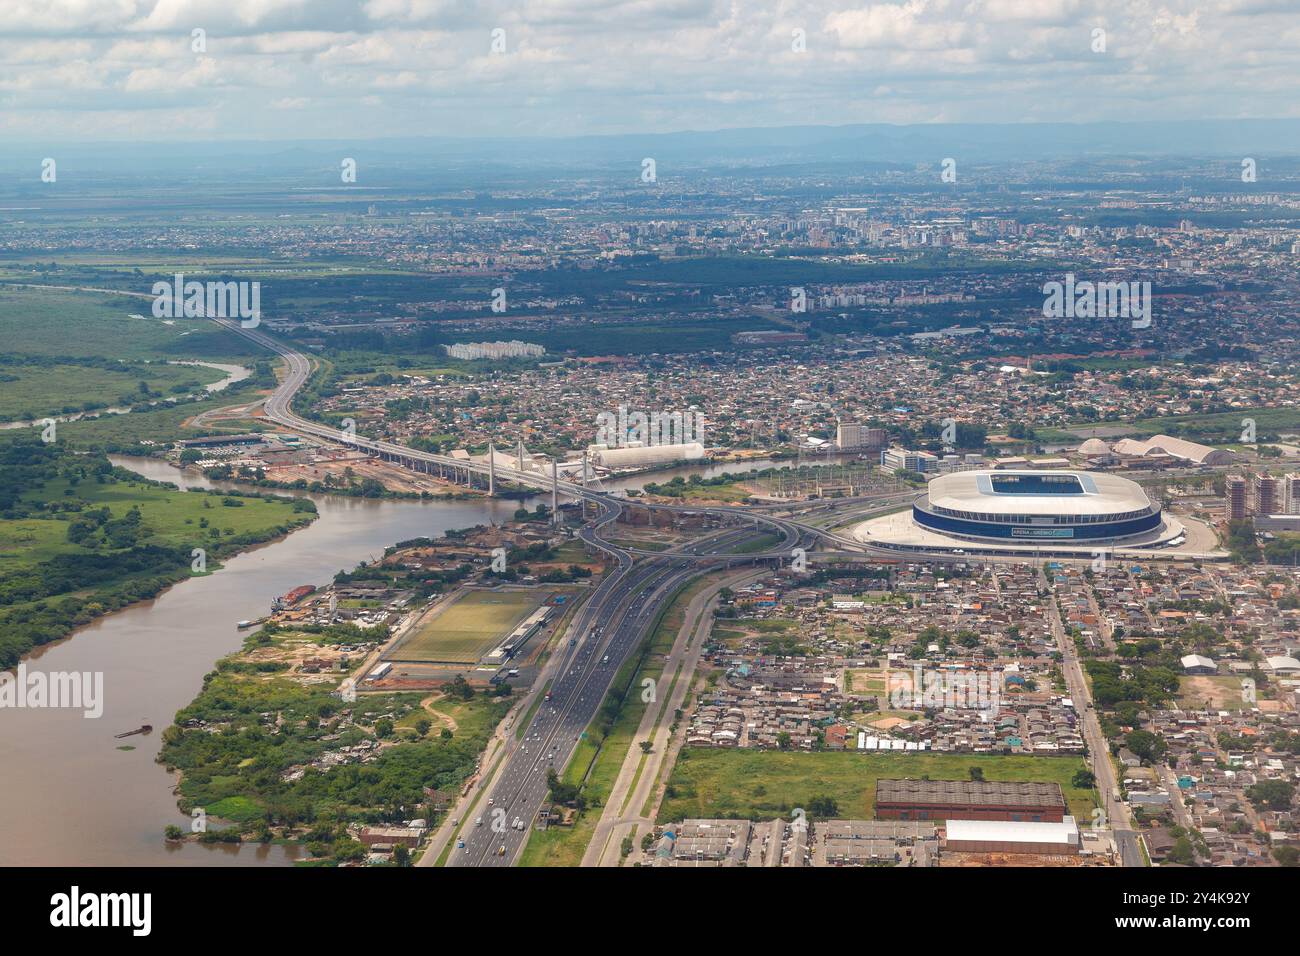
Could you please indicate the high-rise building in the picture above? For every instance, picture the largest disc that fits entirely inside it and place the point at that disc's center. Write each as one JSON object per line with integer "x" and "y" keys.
{"x": 1236, "y": 498}
{"x": 1291, "y": 493}
{"x": 859, "y": 437}
{"x": 1267, "y": 494}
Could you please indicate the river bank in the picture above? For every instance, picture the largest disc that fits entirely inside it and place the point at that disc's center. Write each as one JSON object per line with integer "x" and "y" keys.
{"x": 70, "y": 796}
{"x": 232, "y": 373}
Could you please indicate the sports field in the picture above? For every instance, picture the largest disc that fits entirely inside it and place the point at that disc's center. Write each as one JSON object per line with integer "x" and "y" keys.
{"x": 468, "y": 628}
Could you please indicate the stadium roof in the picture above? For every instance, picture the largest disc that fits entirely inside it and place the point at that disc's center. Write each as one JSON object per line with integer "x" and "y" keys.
{"x": 1090, "y": 493}
{"x": 1175, "y": 447}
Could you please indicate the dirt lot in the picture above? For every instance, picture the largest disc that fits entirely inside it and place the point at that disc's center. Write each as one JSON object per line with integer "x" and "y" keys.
{"x": 392, "y": 478}
{"x": 295, "y": 653}
{"x": 1221, "y": 693}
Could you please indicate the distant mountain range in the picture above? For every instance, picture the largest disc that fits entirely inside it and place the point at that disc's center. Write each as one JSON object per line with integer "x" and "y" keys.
{"x": 791, "y": 145}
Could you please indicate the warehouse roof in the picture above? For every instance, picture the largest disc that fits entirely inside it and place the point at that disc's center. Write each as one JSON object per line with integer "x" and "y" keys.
{"x": 635, "y": 457}
{"x": 958, "y": 792}
{"x": 1008, "y": 831}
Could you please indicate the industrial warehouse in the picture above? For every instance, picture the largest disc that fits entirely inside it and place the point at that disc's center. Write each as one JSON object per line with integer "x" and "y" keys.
{"x": 969, "y": 800}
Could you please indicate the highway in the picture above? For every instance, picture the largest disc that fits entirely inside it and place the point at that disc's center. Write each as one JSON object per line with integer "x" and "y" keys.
{"x": 608, "y": 627}
{"x": 620, "y": 610}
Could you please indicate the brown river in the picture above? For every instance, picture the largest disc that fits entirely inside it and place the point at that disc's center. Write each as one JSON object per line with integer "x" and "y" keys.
{"x": 72, "y": 794}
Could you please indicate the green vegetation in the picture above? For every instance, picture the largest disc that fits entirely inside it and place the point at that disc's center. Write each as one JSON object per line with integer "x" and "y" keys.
{"x": 80, "y": 538}
{"x": 470, "y": 626}
{"x": 1136, "y": 684}
{"x": 697, "y": 488}
{"x": 760, "y": 785}
{"x": 1211, "y": 428}
{"x": 34, "y": 388}
{"x": 57, "y": 323}
{"x": 281, "y": 759}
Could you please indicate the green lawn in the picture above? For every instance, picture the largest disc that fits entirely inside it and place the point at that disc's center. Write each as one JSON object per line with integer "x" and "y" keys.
{"x": 29, "y": 392}
{"x": 470, "y": 627}
{"x": 760, "y": 785}
{"x": 53, "y": 322}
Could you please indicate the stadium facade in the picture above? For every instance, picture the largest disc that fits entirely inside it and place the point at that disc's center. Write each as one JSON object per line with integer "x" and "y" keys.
{"x": 1037, "y": 506}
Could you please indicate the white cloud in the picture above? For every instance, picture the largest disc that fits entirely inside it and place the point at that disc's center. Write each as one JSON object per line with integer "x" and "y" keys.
{"x": 295, "y": 68}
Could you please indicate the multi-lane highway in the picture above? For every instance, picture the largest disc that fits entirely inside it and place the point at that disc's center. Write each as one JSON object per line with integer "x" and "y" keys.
{"x": 606, "y": 629}
{"x": 613, "y": 625}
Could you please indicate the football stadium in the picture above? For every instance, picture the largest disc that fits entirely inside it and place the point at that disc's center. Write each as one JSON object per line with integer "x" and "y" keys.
{"x": 1045, "y": 512}
{"x": 1036, "y": 505}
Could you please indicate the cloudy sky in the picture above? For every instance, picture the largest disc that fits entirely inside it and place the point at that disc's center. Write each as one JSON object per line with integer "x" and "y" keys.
{"x": 77, "y": 70}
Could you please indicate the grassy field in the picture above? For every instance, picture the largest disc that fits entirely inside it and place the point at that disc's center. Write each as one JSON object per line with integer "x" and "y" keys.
{"x": 760, "y": 785}
{"x": 165, "y": 423}
{"x": 730, "y": 493}
{"x": 29, "y": 392}
{"x": 85, "y": 544}
{"x": 470, "y": 627}
{"x": 86, "y": 324}
{"x": 170, "y": 517}
{"x": 1220, "y": 692}
{"x": 864, "y": 682}
{"x": 29, "y": 541}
